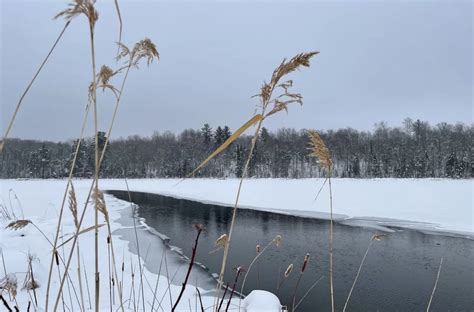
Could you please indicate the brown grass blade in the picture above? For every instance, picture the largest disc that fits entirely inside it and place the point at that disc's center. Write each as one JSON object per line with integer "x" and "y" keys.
{"x": 231, "y": 139}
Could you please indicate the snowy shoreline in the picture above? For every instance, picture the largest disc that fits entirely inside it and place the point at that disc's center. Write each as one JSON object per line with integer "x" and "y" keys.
{"x": 39, "y": 202}
{"x": 434, "y": 205}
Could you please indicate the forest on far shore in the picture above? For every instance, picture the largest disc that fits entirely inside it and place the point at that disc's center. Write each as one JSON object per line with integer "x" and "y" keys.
{"x": 414, "y": 150}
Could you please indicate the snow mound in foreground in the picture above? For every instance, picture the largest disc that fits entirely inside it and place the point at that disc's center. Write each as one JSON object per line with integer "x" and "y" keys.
{"x": 261, "y": 301}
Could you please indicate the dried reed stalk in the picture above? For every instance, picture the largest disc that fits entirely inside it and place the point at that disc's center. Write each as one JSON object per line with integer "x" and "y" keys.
{"x": 375, "y": 237}
{"x": 17, "y": 109}
{"x": 319, "y": 150}
{"x": 269, "y": 105}
{"x": 143, "y": 49}
{"x": 277, "y": 242}
{"x": 74, "y": 212}
{"x": 237, "y": 274}
{"x": 302, "y": 270}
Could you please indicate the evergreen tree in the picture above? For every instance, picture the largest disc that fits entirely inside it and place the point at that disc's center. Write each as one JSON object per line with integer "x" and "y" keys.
{"x": 218, "y": 137}
{"x": 226, "y": 134}
{"x": 206, "y": 132}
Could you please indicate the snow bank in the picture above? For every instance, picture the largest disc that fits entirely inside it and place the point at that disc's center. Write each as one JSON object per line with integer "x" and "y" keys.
{"x": 40, "y": 202}
{"x": 261, "y": 301}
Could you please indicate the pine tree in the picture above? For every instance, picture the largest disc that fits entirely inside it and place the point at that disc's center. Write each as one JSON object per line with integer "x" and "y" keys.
{"x": 226, "y": 134}
{"x": 218, "y": 136}
{"x": 206, "y": 132}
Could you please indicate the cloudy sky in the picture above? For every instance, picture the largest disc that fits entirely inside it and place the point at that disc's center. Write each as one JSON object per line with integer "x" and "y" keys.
{"x": 379, "y": 60}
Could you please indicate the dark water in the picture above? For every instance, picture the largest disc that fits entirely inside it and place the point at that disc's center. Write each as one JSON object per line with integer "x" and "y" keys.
{"x": 398, "y": 275}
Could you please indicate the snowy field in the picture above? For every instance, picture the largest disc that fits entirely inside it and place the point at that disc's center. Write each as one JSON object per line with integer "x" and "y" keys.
{"x": 428, "y": 204}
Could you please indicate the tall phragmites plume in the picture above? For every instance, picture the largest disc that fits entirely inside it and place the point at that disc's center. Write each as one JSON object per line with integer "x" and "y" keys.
{"x": 319, "y": 150}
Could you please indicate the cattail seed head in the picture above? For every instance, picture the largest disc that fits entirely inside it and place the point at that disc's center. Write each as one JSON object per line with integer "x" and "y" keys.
{"x": 56, "y": 257}
{"x": 305, "y": 263}
{"x": 289, "y": 269}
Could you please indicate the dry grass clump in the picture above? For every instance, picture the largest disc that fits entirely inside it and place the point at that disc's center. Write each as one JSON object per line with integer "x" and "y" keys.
{"x": 9, "y": 283}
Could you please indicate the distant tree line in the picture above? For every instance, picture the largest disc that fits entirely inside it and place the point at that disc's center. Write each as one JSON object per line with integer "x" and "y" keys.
{"x": 415, "y": 150}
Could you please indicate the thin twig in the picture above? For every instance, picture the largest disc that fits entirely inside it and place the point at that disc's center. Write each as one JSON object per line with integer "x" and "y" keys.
{"x": 435, "y": 285}
{"x": 307, "y": 292}
{"x": 357, "y": 275}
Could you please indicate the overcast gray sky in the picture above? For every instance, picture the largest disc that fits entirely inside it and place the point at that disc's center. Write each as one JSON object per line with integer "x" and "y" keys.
{"x": 379, "y": 60}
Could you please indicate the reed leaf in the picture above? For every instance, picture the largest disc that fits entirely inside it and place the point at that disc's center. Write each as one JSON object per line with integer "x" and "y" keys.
{"x": 226, "y": 144}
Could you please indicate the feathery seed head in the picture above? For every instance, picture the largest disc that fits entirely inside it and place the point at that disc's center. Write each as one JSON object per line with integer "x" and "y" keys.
{"x": 319, "y": 150}
{"x": 77, "y": 7}
{"x": 221, "y": 241}
{"x": 18, "y": 224}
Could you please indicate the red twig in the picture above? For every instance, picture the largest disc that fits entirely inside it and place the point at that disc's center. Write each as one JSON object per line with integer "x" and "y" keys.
{"x": 199, "y": 229}
{"x": 239, "y": 270}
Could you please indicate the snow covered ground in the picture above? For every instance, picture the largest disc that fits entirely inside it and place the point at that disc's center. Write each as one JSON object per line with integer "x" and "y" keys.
{"x": 428, "y": 204}
{"x": 40, "y": 202}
